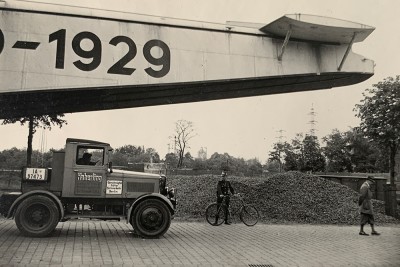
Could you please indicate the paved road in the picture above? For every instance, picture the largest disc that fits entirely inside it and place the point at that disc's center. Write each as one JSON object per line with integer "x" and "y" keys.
{"x": 94, "y": 243}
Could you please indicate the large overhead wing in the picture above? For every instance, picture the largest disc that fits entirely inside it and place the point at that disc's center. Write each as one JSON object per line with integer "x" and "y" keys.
{"x": 66, "y": 59}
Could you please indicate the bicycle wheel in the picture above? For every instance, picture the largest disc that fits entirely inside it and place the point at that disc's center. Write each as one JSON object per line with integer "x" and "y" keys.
{"x": 215, "y": 214}
{"x": 249, "y": 215}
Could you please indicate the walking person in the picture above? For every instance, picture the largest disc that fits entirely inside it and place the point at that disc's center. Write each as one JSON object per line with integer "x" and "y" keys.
{"x": 366, "y": 209}
{"x": 223, "y": 189}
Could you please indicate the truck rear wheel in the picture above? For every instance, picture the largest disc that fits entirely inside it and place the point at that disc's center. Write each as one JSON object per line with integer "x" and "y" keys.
{"x": 151, "y": 218}
{"x": 37, "y": 216}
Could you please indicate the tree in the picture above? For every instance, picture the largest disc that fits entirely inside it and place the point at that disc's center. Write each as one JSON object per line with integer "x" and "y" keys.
{"x": 126, "y": 154}
{"x": 184, "y": 132}
{"x": 171, "y": 160}
{"x": 312, "y": 154}
{"x": 221, "y": 162}
{"x": 337, "y": 152}
{"x": 283, "y": 153}
{"x": 152, "y": 155}
{"x": 13, "y": 158}
{"x": 379, "y": 112}
{"x": 200, "y": 164}
{"x": 43, "y": 159}
{"x": 34, "y": 122}
{"x": 303, "y": 154}
{"x": 352, "y": 151}
{"x": 291, "y": 159}
{"x": 366, "y": 156}
{"x": 273, "y": 165}
{"x": 254, "y": 167}
{"x": 297, "y": 152}
{"x": 130, "y": 150}
{"x": 188, "y": 160}
{"x": 277, "y": 154}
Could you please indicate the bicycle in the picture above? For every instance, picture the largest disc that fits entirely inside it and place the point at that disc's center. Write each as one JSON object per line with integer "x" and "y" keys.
{"x": 248, "y": 214}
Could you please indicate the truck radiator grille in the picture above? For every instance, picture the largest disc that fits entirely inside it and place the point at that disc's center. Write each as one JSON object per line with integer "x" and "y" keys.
{"x": 140, "y": 187}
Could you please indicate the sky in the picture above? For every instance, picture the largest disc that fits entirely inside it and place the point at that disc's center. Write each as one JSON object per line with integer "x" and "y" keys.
{"x": 243, "y": 127}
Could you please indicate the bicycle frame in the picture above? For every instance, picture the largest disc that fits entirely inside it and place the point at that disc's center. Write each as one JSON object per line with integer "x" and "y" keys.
{"x": 216, "y": 213}
{"x": 234, "y": 198}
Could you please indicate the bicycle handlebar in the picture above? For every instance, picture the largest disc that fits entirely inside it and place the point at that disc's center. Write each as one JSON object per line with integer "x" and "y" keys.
{"x": 237, "y": 194}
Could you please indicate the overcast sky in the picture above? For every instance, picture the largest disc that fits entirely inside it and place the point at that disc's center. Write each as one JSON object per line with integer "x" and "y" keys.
{"x": 245, "y": 127}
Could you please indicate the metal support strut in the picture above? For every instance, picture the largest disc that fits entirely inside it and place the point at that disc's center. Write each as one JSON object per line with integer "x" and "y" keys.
{"x": 347, "y": 51}
{"x": 289, "y": 32}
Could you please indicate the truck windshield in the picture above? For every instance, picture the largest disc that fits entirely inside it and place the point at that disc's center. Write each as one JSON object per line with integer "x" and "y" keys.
{"x": 90, "y": 156}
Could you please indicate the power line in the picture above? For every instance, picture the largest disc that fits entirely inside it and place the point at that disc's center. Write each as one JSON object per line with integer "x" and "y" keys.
{"x": 281, "y": 136}
{"x": 312, "y": 121}
{"x": 43, "y": 147}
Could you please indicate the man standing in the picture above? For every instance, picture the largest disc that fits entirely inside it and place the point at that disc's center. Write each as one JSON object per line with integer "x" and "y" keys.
{"x": 366, "y": 209}
{"x": 223, "y": 189}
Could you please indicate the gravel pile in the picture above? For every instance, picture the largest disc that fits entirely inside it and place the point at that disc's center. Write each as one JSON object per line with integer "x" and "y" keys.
{"x": 291, "y": 197}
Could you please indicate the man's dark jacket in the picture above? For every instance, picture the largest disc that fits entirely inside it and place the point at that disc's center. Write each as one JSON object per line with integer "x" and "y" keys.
{"x": 224, "y": 187}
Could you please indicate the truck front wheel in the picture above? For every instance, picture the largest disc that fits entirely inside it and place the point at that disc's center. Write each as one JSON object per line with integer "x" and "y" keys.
{"x": 37, "y": 216}
{"x": 151, "y": 218}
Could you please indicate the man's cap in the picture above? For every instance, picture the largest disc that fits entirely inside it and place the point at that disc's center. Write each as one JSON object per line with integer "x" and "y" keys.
{"x": 371, "y": 178}
{"x": 86, "y": 155}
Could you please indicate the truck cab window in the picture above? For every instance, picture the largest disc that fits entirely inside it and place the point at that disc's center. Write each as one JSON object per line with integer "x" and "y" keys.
{"x": 90, "y": 156}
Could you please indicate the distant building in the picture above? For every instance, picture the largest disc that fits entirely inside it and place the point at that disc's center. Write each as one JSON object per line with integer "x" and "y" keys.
{"x": 202, "y": 154}
{"x": 157, "y": 168}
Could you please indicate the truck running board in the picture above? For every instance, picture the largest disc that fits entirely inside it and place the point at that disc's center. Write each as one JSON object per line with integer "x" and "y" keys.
{"x": 99, "y": 217}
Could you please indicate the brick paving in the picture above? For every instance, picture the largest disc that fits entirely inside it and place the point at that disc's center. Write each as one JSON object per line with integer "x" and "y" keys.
{"x": 94, "y": 243}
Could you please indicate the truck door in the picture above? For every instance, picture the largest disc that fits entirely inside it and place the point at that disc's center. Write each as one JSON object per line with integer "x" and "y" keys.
{"x": 86, "y": 174}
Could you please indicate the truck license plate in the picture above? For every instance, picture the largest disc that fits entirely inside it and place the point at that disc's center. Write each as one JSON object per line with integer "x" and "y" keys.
{"x": 38, "y": 174}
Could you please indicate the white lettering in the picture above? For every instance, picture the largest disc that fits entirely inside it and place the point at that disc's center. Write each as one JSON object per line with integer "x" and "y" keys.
{"x": 93, "y": 177}
{"x": 114, "y": 187}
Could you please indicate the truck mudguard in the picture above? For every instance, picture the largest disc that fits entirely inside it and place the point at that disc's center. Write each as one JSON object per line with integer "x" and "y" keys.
{"x": 151, "y": 195}
{"x": 36, "y": 192}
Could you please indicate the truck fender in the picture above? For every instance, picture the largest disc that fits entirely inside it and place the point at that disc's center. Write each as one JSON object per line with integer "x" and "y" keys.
{"x": 147, "y": 196}
{"x": 36, "y": 192}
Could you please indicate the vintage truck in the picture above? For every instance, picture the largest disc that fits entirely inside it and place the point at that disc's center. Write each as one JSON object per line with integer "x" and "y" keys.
{"x": 81, "y": 183}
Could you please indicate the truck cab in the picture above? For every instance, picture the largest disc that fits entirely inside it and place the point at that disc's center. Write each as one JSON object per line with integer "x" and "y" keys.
{"x": 82, "y": 183}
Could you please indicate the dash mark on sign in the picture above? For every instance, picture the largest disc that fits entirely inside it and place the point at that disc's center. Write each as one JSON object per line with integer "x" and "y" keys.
{"x": 26, "y": 45}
